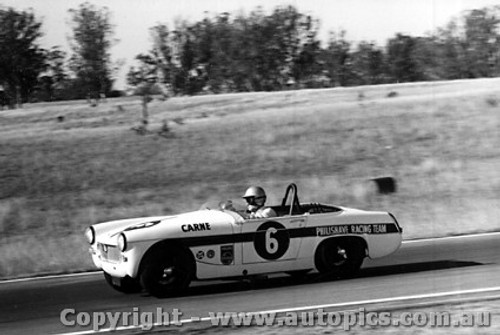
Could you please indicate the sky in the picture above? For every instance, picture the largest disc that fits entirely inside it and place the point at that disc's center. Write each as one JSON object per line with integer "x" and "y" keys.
{"x": 368, "y": 20}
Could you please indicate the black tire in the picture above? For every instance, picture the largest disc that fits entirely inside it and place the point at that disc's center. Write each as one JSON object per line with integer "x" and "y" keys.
{"x": 126, "y": 285}
{"x": 340, "y": 257}
{"x": 167, "y": 273}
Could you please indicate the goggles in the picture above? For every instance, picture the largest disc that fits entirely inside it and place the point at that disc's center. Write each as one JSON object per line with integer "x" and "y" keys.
{"x": 253, "y": 200}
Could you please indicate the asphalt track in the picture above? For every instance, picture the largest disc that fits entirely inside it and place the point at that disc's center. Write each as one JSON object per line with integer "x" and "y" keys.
{"x": 428, "y": 269}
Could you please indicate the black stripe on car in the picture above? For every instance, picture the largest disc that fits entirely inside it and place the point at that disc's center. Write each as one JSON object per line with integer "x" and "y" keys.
{"x": 333, "y": 230}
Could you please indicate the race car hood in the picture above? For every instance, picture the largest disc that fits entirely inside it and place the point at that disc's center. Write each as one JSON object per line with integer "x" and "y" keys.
{"x": 106, "y": 232}
{"x": 191, "y": 224}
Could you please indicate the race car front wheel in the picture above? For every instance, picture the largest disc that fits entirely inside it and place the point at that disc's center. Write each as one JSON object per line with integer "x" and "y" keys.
{"x": 340, "y": 257}
{"x": 166, "y": 274}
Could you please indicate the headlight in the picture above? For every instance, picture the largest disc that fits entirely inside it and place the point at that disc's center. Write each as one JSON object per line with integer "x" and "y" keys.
{"x": 122, "y": 242}
{"x": 90, "y": 235}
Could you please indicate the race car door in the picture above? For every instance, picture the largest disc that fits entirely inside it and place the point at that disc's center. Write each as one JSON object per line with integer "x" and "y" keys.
{"x": 271, "y": 239}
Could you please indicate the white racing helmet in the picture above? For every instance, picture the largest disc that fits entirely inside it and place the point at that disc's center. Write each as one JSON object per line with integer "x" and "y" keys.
{"x": 255, "y": 197}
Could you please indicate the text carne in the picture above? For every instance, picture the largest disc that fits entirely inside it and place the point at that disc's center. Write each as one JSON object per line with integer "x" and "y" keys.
{"x": 195, "y": 227}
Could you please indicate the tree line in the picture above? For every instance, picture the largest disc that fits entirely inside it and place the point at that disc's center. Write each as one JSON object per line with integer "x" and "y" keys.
{"x": 267, "y": 52}
{"x": 237, "y": 53}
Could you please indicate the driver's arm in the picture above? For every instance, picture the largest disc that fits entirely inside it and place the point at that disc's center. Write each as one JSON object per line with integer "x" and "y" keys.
{"x": 268, "y": 212}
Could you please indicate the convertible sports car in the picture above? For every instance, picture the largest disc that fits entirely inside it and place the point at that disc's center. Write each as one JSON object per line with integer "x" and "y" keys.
{"x": 164, "y": 254}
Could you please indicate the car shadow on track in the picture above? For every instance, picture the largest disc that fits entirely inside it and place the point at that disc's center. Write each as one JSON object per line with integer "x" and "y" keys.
{"x": 264, "y": 282}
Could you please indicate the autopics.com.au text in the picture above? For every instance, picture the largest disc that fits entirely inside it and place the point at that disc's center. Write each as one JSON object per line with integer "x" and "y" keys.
{"x": 341, "y": 319}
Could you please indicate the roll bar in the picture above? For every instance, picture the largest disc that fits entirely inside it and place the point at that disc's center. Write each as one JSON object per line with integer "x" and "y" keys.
{"x": 291, "y": 190}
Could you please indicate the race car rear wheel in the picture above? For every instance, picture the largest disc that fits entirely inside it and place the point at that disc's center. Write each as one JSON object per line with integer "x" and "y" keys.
{"x": 167, "y": 273}
{"x": 340, "y": 257}
{"x": 124, "y": 285}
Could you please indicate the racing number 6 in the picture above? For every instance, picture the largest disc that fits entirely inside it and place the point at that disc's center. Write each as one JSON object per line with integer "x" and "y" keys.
{"x": 271, "y": 240}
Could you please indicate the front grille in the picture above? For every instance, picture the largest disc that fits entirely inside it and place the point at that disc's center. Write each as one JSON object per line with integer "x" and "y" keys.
{"x": 109, "y": 253}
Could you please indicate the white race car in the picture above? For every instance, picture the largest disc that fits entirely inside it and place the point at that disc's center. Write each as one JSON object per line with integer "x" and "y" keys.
{"x": 164, "y": 254}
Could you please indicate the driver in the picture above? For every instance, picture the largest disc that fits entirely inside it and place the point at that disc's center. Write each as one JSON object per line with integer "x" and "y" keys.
{"x": 255, "y": 197}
